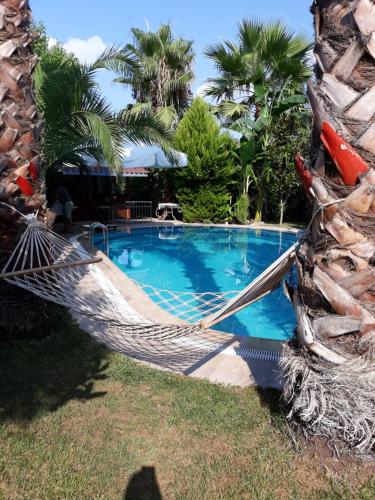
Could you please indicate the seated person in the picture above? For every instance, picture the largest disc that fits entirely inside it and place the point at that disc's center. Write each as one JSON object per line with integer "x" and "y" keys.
{"x": 63, "y": 196}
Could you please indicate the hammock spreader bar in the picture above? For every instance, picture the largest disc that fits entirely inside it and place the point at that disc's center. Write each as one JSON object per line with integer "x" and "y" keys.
{"x": 40, "y": 250}
{"x": 52, "y": 267}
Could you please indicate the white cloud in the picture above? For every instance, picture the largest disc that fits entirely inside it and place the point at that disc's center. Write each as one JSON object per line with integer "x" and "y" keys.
{"x": 311, "y": 57}
{"x": 201, "y": 90}
{"x": 87, "y": 51}
{"x": 51, "y": 42}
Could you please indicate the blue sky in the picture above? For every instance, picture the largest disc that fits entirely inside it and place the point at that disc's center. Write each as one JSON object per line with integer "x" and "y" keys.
{"x": 87, "y": 26}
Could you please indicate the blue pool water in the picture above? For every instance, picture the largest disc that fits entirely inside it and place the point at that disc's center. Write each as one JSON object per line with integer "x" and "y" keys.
{"x": 201, "y": 259}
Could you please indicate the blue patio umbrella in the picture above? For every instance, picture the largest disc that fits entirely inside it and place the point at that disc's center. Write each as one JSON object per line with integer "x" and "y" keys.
{"x": 152, "y": 157}
{"x": 135, "y": 159}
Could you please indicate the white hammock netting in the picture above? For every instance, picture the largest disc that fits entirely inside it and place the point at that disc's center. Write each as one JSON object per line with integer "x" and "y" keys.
{"x": 54, "y": 269}
{"x": 188, "y": 306}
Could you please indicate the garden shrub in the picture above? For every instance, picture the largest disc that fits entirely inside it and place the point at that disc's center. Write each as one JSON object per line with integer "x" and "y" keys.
{"x": 241, "y": 209}
{"x": 203, "y": 187}
{"x": 205, "y": 206}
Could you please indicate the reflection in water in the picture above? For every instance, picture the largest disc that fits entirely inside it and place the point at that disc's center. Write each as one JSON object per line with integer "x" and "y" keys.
{"x": 131, "y": 258}
{"x": 168, "y": 236}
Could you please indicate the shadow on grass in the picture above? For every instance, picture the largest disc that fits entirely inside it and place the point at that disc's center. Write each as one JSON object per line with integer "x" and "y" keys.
{"x": 272, "y": 399}
{"x": 143, "y": 485}
{"x": 41, "y": 376}
{"x": 268, "y": 383}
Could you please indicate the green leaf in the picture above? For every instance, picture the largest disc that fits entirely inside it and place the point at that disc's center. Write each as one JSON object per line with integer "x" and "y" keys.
{"x": 262, "y": 123}
{"x": 288, "y": 103}
{"x": 247, "y": 151}
{"x": 79, "y": 121}
{"x": 260, "y": 92}
{"x": 232, "y": 110}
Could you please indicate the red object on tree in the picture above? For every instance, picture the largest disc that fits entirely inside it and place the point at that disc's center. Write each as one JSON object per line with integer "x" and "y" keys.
{"x": 25, "y": 186}
{"x": 34, "y": 170}
{"x": 304, "y": 174}
{"x": 348, "y": 162}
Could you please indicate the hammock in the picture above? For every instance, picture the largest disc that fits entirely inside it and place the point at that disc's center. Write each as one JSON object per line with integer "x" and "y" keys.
{"x": 54, "y": 269}
{"x": 264, "y": 284}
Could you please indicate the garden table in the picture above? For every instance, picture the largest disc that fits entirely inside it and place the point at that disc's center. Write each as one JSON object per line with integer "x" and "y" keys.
{"x": 166, "y": 209}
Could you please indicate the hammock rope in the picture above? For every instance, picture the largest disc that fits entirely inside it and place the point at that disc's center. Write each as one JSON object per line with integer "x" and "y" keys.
{"x": 188, "y": 306}
{"x": 54, "y": 269}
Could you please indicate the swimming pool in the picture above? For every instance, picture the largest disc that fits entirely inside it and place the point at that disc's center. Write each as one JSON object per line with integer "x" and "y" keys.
{"x": 209, "y": 259}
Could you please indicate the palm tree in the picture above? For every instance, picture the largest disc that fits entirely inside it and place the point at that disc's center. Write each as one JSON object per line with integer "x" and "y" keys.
{"x": 79, "y": 122}
{"x": 329, "y": 372}
{"x": 20, "y": 130}
{"x": 268, "y": 61}
{"x": 158, "y": 68}
{"x": 260, "y": 78}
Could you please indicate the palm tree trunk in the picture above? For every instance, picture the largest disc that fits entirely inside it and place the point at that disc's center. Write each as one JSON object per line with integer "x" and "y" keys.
{"x": 330, "y": 371}
{"x": 20, "y": 129}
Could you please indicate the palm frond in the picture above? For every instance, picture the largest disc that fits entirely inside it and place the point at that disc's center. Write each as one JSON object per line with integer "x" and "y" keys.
{"x": 165, "y": 33}
{"x": 300, "y": 46}
{"x": 120, "y": 60}
{"x": 147, "y": 43}
{"x": 167, "y": 115}
{"x": 249, "y": 33}
{"x": 233, "y": 110}
{"x": 154, "y": 60}
{"x": 177, "y": 83}
{"x": 95, "y": 120}
{"x": 227, "y": 58}
{"x": 269, "y": 56}
{"x": 79, "y": 121}
{"x": 141, "y": 126}
{"x": 220, "y": 87}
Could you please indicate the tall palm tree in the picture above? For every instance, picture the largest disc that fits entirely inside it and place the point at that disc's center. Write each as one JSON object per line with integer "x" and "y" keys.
{"x": 20, "y": 130}
{"x": 260, "y": 77}
{"x": 158, "y": 68}
{"x": 267, "y": 61}
{"x": 330, "y": 371}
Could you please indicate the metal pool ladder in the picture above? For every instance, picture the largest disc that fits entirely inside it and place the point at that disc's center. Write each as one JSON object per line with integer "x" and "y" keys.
{"x": 95, "y": 226}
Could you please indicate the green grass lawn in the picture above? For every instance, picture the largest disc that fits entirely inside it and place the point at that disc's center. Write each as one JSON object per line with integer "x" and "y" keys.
{"x": 79, "y": 422}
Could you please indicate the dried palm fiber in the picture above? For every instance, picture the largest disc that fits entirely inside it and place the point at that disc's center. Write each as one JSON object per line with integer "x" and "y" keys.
{"x": 329, "y": 369}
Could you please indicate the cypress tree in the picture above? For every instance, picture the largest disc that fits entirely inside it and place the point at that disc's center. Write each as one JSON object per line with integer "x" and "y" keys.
{"x": 204, "y": 187}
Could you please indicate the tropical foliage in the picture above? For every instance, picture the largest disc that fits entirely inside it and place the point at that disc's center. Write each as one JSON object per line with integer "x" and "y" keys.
{"x": 79, "y": 121}
{"x": 267, "y": 174}
{"x": 285, "y": 197}
{"x": 158, "y": 68}
{"x": 268, "y": 62}
{"x": 260, "y": 79}
{"x": 204, "y": 187}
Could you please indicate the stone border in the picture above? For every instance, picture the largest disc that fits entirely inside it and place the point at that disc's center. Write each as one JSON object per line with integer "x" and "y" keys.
{"x": 157, "y": 222}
